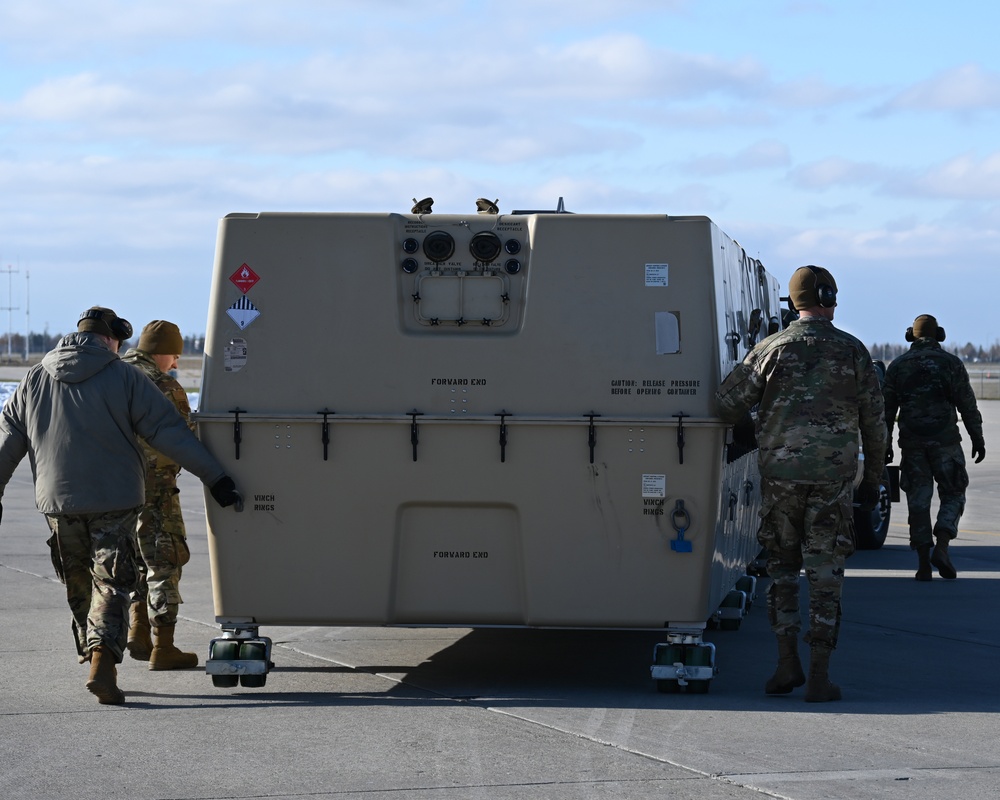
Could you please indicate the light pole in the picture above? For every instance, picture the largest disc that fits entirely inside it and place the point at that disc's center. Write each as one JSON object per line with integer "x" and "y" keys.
{"x": 10, "y": 307}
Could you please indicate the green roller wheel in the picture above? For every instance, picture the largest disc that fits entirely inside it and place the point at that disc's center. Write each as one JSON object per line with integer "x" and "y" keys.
{"x": 225, "y": 650}
{"x": 253, "y": 651}
{"x": 698, "y": 656}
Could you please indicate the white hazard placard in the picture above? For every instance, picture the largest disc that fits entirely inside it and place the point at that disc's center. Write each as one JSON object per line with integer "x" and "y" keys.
{"x": 243, "y": 312}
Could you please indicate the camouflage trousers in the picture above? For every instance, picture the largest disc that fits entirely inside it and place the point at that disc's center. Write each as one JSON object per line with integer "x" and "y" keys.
{"x": 161, "y": 543}
{"x": 806, "y": 526}
{"x": 94, "y": 556}
{"x": 919, "y": 470}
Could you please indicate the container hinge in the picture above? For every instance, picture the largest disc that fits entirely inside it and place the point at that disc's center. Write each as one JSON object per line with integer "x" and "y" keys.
{"x": 733, "y": 500}
{"x": 326, "y": 432}
{"x": 748, "y": 490}
{"x": 414, "y": 433}
{"x": 592, "y": 435}
{"x": 680, "y": 436}
{"x": 237, "y": 429}
{"x": 503, "y": 435}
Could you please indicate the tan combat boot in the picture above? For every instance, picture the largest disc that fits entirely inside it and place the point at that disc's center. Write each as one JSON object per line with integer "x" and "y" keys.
{"x": 941, "y": 560}
{"x": 923, "y": 563}
{"x": 139, "y": 645}
{"x": 819, "y": 688}
{"x": 103, "y": 680}
{"x": 789, "y": 673}
{"x": 165, "y": 655}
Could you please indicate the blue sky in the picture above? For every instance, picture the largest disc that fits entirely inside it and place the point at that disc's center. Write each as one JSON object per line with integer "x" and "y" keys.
{"x": 859, "y": 136}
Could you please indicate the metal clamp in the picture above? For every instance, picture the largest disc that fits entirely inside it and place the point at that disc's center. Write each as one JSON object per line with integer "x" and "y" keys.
{"x": 326, "y": 432}
{"x": 592, "y": 435}
{"x": 680, "y": 436}
{"x": 237, "y": 429}
{"x": 503, "y": 436}
{"x": 414, "y": 432}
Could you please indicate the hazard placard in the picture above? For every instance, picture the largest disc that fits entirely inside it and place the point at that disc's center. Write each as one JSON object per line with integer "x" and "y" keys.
{"x": 244, "y": 278}
{"x": 243, "y": 312}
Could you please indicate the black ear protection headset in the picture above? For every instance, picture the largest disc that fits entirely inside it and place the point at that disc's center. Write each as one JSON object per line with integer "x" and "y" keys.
{"x": 826, "y": 295}
{"x": 938, "y": 334}
{"x": 120, "y": 328}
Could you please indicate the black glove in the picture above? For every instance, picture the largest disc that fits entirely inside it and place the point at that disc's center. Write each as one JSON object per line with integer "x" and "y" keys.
{"x": 224, "y": 492}
{"x": 979, "y": 450}
{"x": 867, "y": 496}
{"x": 888, "y": 453}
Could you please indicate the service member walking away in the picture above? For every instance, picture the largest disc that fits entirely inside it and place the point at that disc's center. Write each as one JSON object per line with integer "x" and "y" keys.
{"x": 926, "y": 385}
{"x": 161, "y": 540}
{"x": 816, "y": 389}
{"x": 80, "y": 413}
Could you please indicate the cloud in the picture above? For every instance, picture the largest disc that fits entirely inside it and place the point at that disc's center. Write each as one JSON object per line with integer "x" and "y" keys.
{"x": 834, "y": 172}
{"x": 765, "y": 154}
{"x": 964, "y": 89}
{"x": 964, "y": 177}
{"x": 909, "y": 241}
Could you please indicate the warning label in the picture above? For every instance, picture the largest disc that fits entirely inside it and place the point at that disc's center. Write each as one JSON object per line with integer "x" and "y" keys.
{"x": 234, "y": 356}
{"x": 657, "y": 274}
{"x": 243, "y": 312}
{"x": 654, "y": 485}
{"x": 244, "y": 278}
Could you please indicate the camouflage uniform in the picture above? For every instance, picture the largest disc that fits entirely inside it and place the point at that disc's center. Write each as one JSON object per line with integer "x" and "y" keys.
{"x": 816, "y": 389}
{"x": 94, "y": 552}
{"x": 161, "y": 540}
{"x": 926, "y": 385}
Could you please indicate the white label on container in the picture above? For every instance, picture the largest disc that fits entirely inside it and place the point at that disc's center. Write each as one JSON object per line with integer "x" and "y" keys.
{"x": 234, "y": 355}
{"x": 656, "y": 274}
{"x": 654, "y": 485}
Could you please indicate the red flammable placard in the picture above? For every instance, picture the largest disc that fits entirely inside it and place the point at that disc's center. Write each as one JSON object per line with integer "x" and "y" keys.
{"x": 244, "y": 278}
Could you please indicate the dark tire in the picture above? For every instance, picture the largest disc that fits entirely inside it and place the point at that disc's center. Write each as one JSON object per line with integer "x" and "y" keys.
{"x": 253, "y": 651}
{"x": 668, "y": 687}
{"x": 225, "y": 651}
{"x": 871, "y": 527}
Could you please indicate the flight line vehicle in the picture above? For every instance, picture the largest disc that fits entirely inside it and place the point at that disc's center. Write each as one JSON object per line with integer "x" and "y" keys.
{"x": 480, "y": 419}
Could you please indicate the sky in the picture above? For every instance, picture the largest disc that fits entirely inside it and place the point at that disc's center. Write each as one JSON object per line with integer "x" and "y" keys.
{"x": 861, "y": 136}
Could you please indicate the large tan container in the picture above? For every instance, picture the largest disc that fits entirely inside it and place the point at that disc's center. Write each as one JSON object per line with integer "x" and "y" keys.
{"x": 478, "y": 419}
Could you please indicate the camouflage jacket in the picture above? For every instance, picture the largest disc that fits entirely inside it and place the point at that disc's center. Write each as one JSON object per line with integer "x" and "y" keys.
{"x": 926, "y": 385}
{"x": 816, "y": 390}
{"x": 175, "y": 393}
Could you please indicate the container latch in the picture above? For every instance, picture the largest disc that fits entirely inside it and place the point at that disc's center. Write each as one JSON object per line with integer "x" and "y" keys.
{"x": 237, "y": 429}
{"x": 326, "y": 432}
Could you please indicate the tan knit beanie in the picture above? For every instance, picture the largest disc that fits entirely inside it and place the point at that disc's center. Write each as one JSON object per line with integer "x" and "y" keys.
{"x": 161, "y": 338}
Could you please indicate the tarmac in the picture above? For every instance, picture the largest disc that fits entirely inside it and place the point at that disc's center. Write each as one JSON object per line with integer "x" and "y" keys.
{"x": 442, "y": 714}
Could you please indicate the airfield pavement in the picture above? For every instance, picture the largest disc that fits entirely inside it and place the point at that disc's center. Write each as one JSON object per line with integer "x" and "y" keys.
{"x": 435, "y": 714}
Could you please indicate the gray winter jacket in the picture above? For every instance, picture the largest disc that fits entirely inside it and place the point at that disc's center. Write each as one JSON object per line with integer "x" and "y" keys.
{"x": 77, "y": 416}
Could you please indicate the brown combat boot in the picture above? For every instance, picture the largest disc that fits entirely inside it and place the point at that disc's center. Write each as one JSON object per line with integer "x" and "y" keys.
{"x": 924, "y": 563}
{"x": 941, "y": 560}
{"x": 103, "y": 680}
{"x": 165, "y": 655}
{"x": 789, "y": 673}
{"x": 140, "y": 645}
{"x": 819, "y": 688}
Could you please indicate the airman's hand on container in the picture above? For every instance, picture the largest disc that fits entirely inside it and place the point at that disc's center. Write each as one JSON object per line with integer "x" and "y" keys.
{"x": 225, "y": 494}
